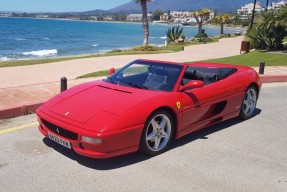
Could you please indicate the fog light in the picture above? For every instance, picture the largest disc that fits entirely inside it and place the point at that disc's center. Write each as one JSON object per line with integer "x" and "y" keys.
{"x": 91, "y": 140}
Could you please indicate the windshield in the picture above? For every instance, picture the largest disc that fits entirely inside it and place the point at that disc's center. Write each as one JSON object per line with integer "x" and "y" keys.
{"x": 147, "y": 75}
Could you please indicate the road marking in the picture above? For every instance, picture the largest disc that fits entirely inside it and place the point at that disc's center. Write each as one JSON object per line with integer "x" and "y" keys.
{"x": 18, "y": 127}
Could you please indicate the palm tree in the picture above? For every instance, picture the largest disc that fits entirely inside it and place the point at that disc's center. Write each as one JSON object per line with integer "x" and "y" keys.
{"x": 144, "y": 20}
{"x": 282, "y": 17}
{"x": 200, "y": 17}
{"x": 270, "y": 29}
{"x": 273, "y": 19}
{"x": 222, "y": 19}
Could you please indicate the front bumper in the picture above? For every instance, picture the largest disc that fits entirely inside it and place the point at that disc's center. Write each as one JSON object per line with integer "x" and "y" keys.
{"x": 113, "y": 143}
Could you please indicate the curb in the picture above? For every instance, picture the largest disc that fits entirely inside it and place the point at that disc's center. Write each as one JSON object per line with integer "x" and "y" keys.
{"x": 273, "y": 79}
{"x": 19, "y": 110}
{"x": 31, "y": 108}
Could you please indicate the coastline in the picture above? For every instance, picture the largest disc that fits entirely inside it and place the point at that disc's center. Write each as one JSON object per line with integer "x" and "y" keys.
{"x": 98, "y": 46}
{"x": 126, "y": 22}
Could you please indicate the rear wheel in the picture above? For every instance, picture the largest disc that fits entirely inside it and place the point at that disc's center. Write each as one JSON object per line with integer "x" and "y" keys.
{"x": 249, "y": 103}
{"x": 157, "y": 134}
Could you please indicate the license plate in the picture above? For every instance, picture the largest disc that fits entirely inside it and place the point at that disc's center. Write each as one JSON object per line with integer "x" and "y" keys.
{"x": 59, "y": 140}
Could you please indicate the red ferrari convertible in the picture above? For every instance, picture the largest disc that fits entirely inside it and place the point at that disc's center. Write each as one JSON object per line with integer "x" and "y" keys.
{"x": 147, "y": 104}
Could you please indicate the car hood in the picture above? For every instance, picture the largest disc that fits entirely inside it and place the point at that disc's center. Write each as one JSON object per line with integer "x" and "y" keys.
{"x": 105, "y": 99}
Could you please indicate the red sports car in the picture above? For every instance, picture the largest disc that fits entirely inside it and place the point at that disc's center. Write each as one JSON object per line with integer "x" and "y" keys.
{"x": 147, "y": 104}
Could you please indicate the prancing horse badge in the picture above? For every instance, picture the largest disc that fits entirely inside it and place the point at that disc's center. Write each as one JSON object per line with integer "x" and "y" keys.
{"x": 178, "y": 105}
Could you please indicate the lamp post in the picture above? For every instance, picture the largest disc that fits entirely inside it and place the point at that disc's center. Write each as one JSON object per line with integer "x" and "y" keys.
{"x": 253, "y": 14}
{"x": 267, "y": 3}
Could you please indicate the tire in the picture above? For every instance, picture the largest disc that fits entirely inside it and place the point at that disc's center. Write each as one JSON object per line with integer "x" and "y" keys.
{"x": 157, "y": 134}
{"x": 249, "y": 102}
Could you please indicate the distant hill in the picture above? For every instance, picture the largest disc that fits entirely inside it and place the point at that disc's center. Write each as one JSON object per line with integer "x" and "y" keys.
{"x": 95, "y": 12}
{"x": 185, "y": 5}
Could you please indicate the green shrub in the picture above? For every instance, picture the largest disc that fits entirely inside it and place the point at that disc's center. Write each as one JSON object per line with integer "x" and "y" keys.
{"x": 201, "y": 37}
{"x": 262, "y": 38}
{"x": 284, "y": 42}
{"x": 208, "y": 39}
{"x": 175, "y": 34}
{"x": 270, "y": 30}
{"x": 115, "y": 51}
{"x": 183, "y": 36}
{"x": 145, "y": 48}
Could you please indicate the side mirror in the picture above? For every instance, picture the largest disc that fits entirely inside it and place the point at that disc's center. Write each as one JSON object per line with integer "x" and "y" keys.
{"x": 191, "y": 85}
{"x": 112, "y": 71}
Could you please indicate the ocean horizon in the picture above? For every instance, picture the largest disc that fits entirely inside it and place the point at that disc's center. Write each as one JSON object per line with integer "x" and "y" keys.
{"x": 30, "y": 38}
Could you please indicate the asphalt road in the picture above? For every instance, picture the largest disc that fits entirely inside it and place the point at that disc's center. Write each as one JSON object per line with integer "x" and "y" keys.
{"x": 231, "y": 156}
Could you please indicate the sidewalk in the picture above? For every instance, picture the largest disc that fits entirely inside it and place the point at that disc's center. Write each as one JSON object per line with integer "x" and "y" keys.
{"x": 23, "y": 89}
{"x": 23, "y": 100}
{"x": 35, "y": 74}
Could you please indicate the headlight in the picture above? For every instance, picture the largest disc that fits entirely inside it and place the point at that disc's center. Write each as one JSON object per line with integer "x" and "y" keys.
{"x": 91, "y": 140}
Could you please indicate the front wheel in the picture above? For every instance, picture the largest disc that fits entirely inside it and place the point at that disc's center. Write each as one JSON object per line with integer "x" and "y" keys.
{"x": 249, "y": 103}
{"x": 157, "y": 133}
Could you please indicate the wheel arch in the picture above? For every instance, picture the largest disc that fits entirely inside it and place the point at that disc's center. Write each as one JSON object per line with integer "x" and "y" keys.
{"x": 256, "y": 87}
{"x": 144, "y": 146}
{"x": 173, "y": 115}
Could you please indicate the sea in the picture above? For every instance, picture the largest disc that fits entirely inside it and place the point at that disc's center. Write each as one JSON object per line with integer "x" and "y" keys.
{"x": 25, "y": 38}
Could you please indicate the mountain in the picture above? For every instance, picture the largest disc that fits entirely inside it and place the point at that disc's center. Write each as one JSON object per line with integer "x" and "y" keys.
{"x": 185, "y": 5}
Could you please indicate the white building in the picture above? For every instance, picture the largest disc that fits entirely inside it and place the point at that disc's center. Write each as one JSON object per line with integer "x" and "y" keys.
{"x": 278, "y": 5}
{"x": 5, "y": 15}
{"x": 185, "y": 17}
{"x": 108, "y": 18}
{"x": 95, "y": 18}
{"x": 137, "y": 17}
{"x": 247, "y": 9}
{"x": 42, "y": 16}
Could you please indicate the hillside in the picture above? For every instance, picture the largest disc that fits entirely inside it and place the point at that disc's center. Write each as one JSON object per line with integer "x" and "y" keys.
{"x": 185, "y": 5}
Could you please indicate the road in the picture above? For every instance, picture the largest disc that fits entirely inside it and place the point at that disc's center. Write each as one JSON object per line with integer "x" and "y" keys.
{"x": 231, "y": 156}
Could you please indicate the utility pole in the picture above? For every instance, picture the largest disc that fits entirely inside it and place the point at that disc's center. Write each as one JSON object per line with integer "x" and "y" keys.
{"x": 253, "y": 14}
{"x": 267, "y": 4}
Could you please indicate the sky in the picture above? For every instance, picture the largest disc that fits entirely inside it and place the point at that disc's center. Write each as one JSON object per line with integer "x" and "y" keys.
{"x": 58, "y": 5}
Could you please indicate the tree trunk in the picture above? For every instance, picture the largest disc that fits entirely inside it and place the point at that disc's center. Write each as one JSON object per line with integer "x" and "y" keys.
{"x": 199, "y": 27}
{"x": 221, "y": 28}
{"x": 145, "y": 22}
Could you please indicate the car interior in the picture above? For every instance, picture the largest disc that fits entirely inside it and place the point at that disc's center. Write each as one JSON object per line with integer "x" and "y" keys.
{"x": 207, "y": 75}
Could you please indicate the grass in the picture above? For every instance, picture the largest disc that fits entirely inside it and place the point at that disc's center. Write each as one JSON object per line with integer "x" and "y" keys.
{"x": 253, "y": 59}
{"x": 157, "y": 50}
{"x": 131, "y": 70}
{"x": 38, "y": 61}
{"x": 95, "y": 74}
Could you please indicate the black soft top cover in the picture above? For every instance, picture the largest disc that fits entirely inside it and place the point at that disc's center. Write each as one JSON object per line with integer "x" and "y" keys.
{"x": 208, "y": 75}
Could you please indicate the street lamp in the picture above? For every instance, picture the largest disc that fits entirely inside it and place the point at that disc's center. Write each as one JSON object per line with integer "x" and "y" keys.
{"x": 253, "y": 11}
{"x": 267, "y": 3}
{"x": 253, "y": 14}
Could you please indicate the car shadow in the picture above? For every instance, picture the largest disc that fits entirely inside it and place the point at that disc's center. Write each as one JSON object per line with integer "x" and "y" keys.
{"x": 129, "y": 159}
{"x": 98, "y": 164}
{"x": 203, "y": 133}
